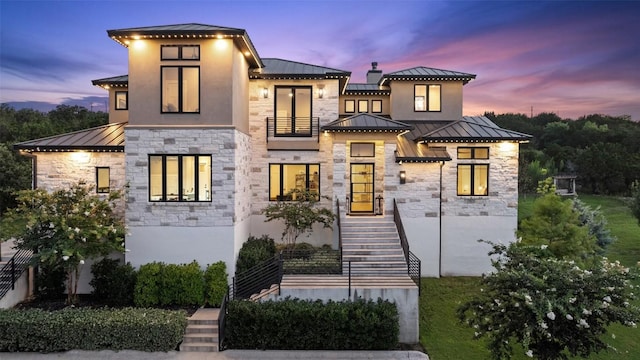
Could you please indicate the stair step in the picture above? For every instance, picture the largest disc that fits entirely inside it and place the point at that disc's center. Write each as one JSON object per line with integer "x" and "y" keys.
{"x": 202, "y": 329}
{"x": 200, "y": 338}
{"x": 199, "y": 347}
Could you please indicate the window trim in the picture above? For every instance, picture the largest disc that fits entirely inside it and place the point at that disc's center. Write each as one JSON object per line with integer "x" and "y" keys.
{"x": 101, "y": 190}
{"x": 472, "y": 179}
{"x": 126, "y": 100}
{"x": 366, "y": 106}
{"x": 352, "y": 102}
{"x": 373, "y": 147}
{"x": 426, "y": 97}
{"x": 294, "y": 116}
{"x": 281, "y": 171}
{"x": 473, "y": 152}
{"x": 180, "y": 89}
{"x": 180, "y": 194}
{"x": 180, "y": 52}
{"x": 373, "y": 111}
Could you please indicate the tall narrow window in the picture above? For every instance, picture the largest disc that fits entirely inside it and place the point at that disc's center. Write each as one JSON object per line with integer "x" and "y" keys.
{"x": 180, "y": 89}
{"x": 349, "y": 106}
{"x": 179, "y": 177}
{"x": 122, "y": 101}
{"x": 434, "y": 98}
{"x": 473, "y": 179}
{"x": 293, "y": 111}
{"x": 363, "y": 106}
{"x": 376, "y": 106}
{"x": 286, "y": 179}
{"x": 102, "y": 180}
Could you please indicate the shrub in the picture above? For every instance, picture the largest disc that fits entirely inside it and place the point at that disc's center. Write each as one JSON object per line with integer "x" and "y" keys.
{"x": 49, "y": 282}
{"x": 254, "y": 252}
{"x": 37, "y": 330}
{"x": 305, "y": 325}
{"x": 146, "y": 292}
{"x": 593, "y": 220}
{"x": 113, "y": 284}
{"x": 215, "y": 283}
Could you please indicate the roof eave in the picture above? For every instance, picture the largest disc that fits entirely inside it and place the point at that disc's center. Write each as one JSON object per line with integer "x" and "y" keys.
{"x": 56, "y": 148}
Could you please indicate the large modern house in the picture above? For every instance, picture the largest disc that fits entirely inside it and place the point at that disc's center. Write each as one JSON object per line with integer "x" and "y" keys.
{"x": 205, "y": 133}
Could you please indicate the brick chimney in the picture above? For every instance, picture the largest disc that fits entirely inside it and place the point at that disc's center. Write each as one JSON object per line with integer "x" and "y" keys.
{"x": 374, "y": 75}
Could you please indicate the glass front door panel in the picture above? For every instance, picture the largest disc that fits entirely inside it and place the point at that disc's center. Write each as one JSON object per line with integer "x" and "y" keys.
{"x": 362, "y": 188}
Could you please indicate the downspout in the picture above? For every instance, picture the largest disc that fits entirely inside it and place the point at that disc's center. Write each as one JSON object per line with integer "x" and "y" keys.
{"x": 34, "y": 168}
{"x": 440, "y": 223}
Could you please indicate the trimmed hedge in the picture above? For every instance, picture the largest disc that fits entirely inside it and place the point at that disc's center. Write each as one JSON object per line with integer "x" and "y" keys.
{"x": 305, "y": 325}
{"x": 255, "y": 251}
{"x": 113, "y": 284}
{"x": 169, "y": 284}
{"x": 215, "y": 284}
{"x": 36, "y": 330}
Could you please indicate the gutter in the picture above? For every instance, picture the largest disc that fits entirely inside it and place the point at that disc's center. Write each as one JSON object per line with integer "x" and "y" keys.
{"x": 440, "y": 226}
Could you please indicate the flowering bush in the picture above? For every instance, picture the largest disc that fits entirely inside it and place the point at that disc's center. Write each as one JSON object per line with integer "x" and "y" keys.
{"x": 66, "y": 227}
{"x": 553, "y": 307}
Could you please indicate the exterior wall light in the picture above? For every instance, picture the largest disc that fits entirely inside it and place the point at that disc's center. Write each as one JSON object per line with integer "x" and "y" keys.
{"x": 265, "y": 92}
{"x": 320, "y": 93}
{"x": 403, "y": 177}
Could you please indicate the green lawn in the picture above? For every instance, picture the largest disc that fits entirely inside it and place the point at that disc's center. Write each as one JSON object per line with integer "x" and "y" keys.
{"x": 445, "y": 338}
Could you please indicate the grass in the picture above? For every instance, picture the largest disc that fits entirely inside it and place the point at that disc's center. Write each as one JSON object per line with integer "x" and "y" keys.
{"x": 445, "y": 338}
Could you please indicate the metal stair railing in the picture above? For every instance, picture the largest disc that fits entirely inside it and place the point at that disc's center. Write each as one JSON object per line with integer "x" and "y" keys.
{"x": 414, "y": 265}
{"x": 12, "y": 270}
{"x": 260, "y": 277}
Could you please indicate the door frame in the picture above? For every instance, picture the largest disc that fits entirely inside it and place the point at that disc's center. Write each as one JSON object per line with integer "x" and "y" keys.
{"x": 372, "y": 184}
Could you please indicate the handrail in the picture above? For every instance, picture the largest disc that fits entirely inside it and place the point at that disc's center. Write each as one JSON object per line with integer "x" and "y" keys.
{"x": 414, "y": 265}
{"x": 222, "y": 320}
{"x": 339, "y": 230}
{"x": 311, "y": 261}
{"x": 257, "y": 278}
{"x": 300, "y": 126}
{"x": 13, "y": 269}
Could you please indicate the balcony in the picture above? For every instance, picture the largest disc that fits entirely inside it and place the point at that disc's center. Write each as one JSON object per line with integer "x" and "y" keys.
{"x": 293, "y": 133}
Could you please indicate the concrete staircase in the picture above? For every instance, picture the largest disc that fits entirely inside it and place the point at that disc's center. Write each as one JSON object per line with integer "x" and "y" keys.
{"x": 201, "y": 334}
{"x": 372, "y": 245}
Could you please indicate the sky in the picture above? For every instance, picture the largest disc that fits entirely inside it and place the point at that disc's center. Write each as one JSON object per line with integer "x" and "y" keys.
{"x": 572, "y": 58}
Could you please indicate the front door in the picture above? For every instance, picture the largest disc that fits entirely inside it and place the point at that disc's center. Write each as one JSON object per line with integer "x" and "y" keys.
{"x": 362, "y": 188}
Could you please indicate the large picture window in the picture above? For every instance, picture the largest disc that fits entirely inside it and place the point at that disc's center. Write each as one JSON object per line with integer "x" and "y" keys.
{"x": 284, "y": 178}
{"x": 427, "y": 98}
{"x": 180, "y": 89}
{"x": 103, "y": 178}
{"x": 473, "y": 179}
{"x": 179, "y": 177}
{"x": 293, "y": 111}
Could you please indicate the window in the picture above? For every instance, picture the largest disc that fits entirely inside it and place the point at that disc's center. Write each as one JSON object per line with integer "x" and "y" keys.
{"x": 102, "y": 180}
{"x": 180, "y": 52}
{"x": 293, "y": 111}
{"x": 473, "y": 180}
{"x": 376, "y": 106}
{"x": 180, "y": 89}
{"x": 349, "y": 106}
{"x": 363, "y": 106}
{"x": 363, "y": 149}
{"x": 179, "y": 177}
{"x": 427, "y": 98}
{"x": 473, "y": 153}
{"x": 122, "y": 100}
{"x": 284, "y": 178}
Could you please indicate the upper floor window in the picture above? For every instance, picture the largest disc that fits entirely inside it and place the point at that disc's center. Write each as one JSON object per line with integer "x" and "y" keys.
{"x": 363, "y": 149}
{"x": 122, "y": 100}
{"x": 285, "y": 178}
{"x": 349, "y": 106}
{"x": 473, "y": 153}
{"x": 363, "y": 106}
{"x": 180, "y": 89}
{"x": 427, "y": 98}
{"x": 180, "y": 52}
{"x": 293, "y": 111}
{"x": 376, "y": 106}
{"x": 102, "y": 180}
{"x": 179, "y": 177}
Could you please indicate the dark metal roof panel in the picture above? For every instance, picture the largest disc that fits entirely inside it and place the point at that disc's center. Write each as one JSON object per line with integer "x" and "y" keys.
{"x": 366, "y": 122}
{"x": 478, "y": 130}
{"x": 425, "y": 127}
{"x": 410, "y": 151}
{"x": 429, "y": 72}
{"x": 108, "y": 137}
{"x": 276, "y": 68}
{"x": 119, "y": 80}
{"x": 190, "y": 27}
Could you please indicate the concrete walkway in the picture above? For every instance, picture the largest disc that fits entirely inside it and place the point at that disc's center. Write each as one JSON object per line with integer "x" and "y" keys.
{"x": 225, "y": 355}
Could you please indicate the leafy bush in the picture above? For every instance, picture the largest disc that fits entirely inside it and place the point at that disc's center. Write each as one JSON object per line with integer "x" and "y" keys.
{"x": 215, "y": 283}
{"x": 147, "y": 289}
{"x": 593, "y": 220}
{"x": 37, "y": 330}
{"x": 305, "y": 325}
{"x": 254, "y": 252}
{"x": 49, "y": 282}
{"x": 113, "y": 284}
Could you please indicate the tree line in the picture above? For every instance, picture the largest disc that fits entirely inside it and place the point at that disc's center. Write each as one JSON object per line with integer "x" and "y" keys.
{"x": 28, "y": 124}
{"x": 602, "y": 151}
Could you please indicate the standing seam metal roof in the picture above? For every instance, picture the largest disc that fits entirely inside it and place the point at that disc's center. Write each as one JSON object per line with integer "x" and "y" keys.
{"x": 108, "y": 137}
{"x": 274, "y": 68}
{"x": 366, "y": 122}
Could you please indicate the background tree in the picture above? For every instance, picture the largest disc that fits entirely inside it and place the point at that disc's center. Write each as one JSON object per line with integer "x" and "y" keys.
{"x": 299, "y": 215}
{"x": 550, "y": 306}
{"x": 635, "y": 200}
{"x": 65, "y": 228}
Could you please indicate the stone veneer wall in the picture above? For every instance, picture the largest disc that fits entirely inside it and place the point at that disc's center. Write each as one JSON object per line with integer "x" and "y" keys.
{"x": 56, "y": 170}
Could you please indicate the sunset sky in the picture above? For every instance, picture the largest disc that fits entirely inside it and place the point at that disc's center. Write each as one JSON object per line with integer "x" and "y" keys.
{"x": 569, "y": 57}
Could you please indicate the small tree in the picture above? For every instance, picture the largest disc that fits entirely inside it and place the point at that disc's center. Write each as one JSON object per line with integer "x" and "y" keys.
{"x": 595, "y": 222}
{"x": 66, "y": 227}
{"x": 635, "y": 200}
{"x": 299, "y": 215}
{"x": 552, "y": 307}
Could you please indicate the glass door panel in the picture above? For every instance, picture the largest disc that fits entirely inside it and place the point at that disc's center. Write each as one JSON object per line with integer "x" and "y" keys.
{"x": 362, "y": 188}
